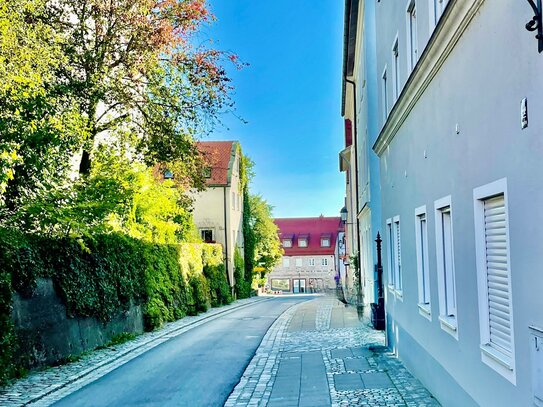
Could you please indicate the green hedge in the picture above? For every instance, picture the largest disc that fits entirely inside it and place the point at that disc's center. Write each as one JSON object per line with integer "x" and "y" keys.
{"x": 101, "y": 276}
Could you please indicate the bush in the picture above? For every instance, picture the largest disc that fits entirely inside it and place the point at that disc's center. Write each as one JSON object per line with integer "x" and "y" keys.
{"x": 218, "y": 286}
{"x": 101, "y": 276}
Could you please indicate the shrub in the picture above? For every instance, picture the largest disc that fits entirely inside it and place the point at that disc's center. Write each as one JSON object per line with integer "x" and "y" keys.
{"x": 100, "y": 276}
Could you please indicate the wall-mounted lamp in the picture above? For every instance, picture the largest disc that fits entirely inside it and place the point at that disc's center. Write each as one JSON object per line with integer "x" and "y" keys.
{"x": 343, "y": 214}
{"x": 535, "y": 24}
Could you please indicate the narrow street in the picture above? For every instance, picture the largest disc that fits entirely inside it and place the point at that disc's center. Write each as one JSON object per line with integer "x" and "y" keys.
{"x": 197, "y": 368}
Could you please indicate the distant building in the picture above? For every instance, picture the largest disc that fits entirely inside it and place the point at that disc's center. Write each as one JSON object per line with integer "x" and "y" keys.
{"x": 218, "y": 211}
{"x": 311, "y": 255}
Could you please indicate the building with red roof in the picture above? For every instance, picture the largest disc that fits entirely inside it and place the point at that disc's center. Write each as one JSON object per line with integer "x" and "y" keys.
{"x": 310, "y": 260}
{"x": 218, "y": 211}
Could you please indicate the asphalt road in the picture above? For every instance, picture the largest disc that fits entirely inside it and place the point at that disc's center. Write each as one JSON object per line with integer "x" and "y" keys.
{"x": 198, "y": 368}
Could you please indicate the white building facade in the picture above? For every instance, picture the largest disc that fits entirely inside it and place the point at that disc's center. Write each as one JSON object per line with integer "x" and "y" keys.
{"x": 218, "y": 210}
{"x": 460, "y": 147}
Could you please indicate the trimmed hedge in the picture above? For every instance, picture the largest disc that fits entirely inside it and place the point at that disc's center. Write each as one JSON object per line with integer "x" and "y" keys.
{"x": 101, "y": 276}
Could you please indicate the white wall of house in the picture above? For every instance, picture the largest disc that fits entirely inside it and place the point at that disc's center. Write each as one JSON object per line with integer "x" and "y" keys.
{"x": 452, "y": 140}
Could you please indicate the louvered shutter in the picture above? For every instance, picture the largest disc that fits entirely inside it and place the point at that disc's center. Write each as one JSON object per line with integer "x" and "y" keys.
{"x": 497, "y": 269}
{"x": 398, "y": 257}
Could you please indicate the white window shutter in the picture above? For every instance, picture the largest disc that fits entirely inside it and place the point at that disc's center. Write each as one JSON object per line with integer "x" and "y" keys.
{"x": 497, "y": 268}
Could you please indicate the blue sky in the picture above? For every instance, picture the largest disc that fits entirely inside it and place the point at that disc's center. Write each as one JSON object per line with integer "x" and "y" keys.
{"x": 290, "y": 95}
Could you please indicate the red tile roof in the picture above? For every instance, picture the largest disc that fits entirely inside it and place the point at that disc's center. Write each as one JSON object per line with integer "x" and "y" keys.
{"x": 220, "y": 155}
{"x": 314, "y": 228}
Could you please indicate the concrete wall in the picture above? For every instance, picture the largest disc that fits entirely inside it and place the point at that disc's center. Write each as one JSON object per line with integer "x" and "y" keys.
{"x": 47, "y": 335}
{"x": 464, "y": 132}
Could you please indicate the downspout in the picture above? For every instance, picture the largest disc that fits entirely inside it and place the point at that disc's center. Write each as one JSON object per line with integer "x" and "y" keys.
{"x": 355, "y": 144}
{"x": 226, "y": 240}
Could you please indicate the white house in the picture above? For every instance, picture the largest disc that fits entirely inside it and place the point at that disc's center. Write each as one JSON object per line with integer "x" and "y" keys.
{"x": 459, "y": 95}
{"x": 218, "y": 211}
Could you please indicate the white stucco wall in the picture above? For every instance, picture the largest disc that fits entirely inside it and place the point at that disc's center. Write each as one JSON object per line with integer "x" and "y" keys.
{"x": 477, "y": 91}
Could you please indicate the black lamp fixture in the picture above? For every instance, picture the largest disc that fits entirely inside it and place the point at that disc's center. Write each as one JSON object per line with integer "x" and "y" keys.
{"x": 535, "y": 24}
{"x": 343, "y": 214}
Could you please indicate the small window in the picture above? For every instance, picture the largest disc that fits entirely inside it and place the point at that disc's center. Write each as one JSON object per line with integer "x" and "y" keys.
{"x": 397, "y": 255}
{"x": 412, "y": 38}
{"x": 207, "y": 235}
{"x": 325, "y": 242}
{"x": 437, "y": 9}
{"x": 324, "y": 262}
{"x": 494, "y": 278}
{"x": 445, "y": 265}
{"x": 287, "y": 242}
{"x": 396, "y": 68}
{"x": 302, "y": 242}
{"x": 311, "y": 262}
{"x": 168, "y": 174}
{"x": 390, "y": 254}
{"x": 421, "y": 235}
{"x": 384, "y": 90}
{"x": 298, "y": 262}
{"x": 286, "y": 262}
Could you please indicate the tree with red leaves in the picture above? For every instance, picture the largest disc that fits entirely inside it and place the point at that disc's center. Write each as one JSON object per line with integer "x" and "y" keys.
{"x": 133, "y": 68}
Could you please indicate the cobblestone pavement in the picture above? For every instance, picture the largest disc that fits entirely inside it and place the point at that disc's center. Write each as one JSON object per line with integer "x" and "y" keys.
{"x": 322, "y": 344}
{"x": 43, "y": 388}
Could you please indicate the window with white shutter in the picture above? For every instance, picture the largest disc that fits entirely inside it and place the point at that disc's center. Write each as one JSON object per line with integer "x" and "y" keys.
{"x": 494, "y": 278}
{"x": 390, "y": 254}
{"x": 423, "y": 270}
{"x": 397, "y": 255}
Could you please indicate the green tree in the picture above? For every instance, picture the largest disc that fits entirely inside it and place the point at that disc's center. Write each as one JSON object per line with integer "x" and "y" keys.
{"x": 268, "y": 249}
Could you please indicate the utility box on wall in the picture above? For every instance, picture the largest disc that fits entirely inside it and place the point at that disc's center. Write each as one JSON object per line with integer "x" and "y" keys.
{"x": 536, "y": 353}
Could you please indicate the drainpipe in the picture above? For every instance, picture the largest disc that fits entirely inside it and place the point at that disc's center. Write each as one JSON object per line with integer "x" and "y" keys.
{"x": 226, "y": 240}
{"x": 355, "y": 144}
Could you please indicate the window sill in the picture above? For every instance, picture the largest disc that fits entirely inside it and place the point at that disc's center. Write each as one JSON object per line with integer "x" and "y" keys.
{"x": 501, "y": 363}
{"x": 424, "y": 310}
{"x": 449, "y": 325}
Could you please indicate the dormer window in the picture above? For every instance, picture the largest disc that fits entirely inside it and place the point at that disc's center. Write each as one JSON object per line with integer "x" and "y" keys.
{"x": 287, "y": 242}
{"x": 303, "y": 240}
{"x": 325, "y": 241}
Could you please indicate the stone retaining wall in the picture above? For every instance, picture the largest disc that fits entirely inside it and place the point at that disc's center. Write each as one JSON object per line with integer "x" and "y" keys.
{"x": 47, "y": 336}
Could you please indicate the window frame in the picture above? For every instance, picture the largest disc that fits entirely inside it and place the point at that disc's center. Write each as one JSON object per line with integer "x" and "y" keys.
{"x": 298, "y": 262}
{"x": 312, "y": 262}
{"x": 326, "y": 239}
{"x": 286, "y": 262}
{"x": 412, "y": 38}
{"x": 390, "y": 255}
{"x": 384, "y": 95}
{"x": 423, "y": 268}
{"x": 395, "y": 69}
{"x": 304, "y": 240}
{"x": 397, "y": 235}
{"x": 324, "y": 262}
{"x": 202, "y": 230}
{"x": 500, "y": 362}
{"x": 434, "y": 14}
{"x": 289, "y": 245}
{"x": 448, "y": 321}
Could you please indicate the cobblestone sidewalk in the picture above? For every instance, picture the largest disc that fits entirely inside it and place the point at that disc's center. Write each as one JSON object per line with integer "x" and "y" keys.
{"x": 319, "y": 354}
{"x": 43, "y": 388}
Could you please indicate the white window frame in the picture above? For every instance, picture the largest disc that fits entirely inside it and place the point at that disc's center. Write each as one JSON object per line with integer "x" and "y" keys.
{"x": 390, "y": 255}
{"x": 412, "y": 37}
{"x": 395, "y": 69}
{"x": 397, "y": 237}
{"x": 299, "y": 262}
{"x": 212, "y": 230}
{"x": 435, "y": 11}
{"x": 311, "y": 262}
{"x": 384, "y": 95}
{"x": 423, "y": 269}
{"x": 285, "y": 244}
{"x": 324, "y": 261}
{"x": 448, "y": 312}
{"x": 302, "y": 242}
{"x": 500, "y": 362}
{"x": 325, "y": 240}
{"x": 286, "y": 262}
